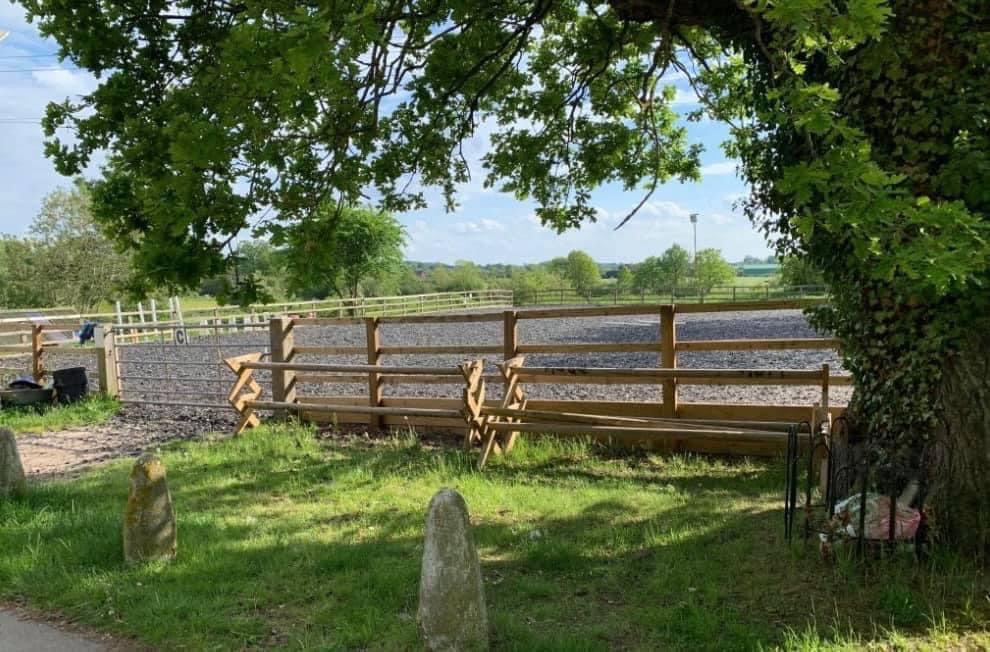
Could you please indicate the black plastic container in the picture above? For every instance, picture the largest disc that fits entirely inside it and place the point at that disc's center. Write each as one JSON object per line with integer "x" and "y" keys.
{"x": 71, "y": 384}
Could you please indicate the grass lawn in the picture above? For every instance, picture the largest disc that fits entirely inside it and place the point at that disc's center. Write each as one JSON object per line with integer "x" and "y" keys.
{"x": 94, "y": 411}
{"x": 287, "y": 541}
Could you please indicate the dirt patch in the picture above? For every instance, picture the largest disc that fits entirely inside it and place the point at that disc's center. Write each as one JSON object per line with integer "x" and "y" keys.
{"x": 68, "y": 451}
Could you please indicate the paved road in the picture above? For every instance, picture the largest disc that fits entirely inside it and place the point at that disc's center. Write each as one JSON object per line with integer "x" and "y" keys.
{"x": 18, "y": 635}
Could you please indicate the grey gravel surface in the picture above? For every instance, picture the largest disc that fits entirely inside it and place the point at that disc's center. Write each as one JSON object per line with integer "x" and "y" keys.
{"x": 209, "y": 383}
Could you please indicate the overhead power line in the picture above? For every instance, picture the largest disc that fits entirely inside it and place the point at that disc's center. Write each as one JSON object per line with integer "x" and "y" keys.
{"x": 52, "y": 69}
{"x": 28, "y": 56}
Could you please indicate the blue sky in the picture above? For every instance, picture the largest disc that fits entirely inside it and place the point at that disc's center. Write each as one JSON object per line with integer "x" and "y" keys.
{"x": 487, "y": 226}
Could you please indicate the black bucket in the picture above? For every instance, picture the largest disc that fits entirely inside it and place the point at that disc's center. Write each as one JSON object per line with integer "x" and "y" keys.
{"x": 71, "y": 384}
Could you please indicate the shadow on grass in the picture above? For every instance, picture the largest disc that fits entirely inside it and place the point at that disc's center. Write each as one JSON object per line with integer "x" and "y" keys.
{"x": 289, "y": 542}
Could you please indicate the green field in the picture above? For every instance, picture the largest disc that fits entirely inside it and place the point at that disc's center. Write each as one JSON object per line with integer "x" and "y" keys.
{"x": 290, "y": 541}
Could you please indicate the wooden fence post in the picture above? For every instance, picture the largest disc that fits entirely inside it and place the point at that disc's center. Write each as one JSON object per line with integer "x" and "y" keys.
{"x": 668, "y": 359}
{"x": 826, "y": 371}
{"x": 106, "y": 361}
{"x": 371, "y": 325}
{"x": 141, "y": 319}
{"x": 510, "y": 334}
{"x": 282, "y": 343}
{"x": 37, "y": 351}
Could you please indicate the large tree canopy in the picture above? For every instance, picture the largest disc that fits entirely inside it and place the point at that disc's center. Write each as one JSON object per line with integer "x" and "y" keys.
{"x": 863, "y": 127}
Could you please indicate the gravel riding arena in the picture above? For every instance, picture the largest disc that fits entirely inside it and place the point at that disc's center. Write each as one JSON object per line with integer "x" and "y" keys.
{"x": 158, "y": 376}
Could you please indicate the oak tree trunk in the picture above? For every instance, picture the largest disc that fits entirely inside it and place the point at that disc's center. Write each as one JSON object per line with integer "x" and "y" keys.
{"x": 960, "y": 470}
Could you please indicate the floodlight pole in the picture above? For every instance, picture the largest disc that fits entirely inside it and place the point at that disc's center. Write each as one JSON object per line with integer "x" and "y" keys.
{"x": 694, "y": 223}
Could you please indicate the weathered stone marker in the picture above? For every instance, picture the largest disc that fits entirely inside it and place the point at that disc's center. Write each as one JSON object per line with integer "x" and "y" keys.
{"x": 149, "y": 519}
{"x": 452, "y": 614}
{"x": 12, "y": 481}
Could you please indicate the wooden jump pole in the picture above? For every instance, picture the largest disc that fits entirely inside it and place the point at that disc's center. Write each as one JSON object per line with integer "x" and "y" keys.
{"x": 473, "y": 396}
{"x": 513, "y": 399}
{"x": 242, "y": 401}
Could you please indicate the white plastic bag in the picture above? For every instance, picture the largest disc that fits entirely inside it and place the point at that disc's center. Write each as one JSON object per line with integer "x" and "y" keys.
{"x": 877, "y": 523}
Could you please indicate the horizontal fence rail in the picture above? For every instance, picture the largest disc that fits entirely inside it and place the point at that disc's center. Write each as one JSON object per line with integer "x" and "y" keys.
{"x": 722, "y": 293}
{"x": 397, "y": 304}
{"x": 612, "y": 376}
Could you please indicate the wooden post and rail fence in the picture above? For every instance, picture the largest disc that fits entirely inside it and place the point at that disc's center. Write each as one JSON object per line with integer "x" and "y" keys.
{"x": 377, "y": 409}
{"x": 293, "y": 377}
{"x": 496, "y": 426}
{"x": 39, "y": 342}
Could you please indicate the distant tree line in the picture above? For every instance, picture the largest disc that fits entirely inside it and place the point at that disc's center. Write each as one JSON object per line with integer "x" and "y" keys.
{"x": 385, "y": 273}
{"x": 65, "y": 260}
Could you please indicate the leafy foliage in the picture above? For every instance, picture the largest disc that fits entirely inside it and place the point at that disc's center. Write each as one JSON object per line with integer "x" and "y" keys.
{"x": 526, "y": 282}
{"x": 624, "y": 280}
{"x": 661, "y": 274}
{"x": 340, "y": 249}
{"x": 582, "y": 271}
{"x": 463, "y": 277}
{"x": 19, "y": 287}
{"x": 710, "y": 269}
{"x": 66, "y": 261}
{"x": 795, "y": 270}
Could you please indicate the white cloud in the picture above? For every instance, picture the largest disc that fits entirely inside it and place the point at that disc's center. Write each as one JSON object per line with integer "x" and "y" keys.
{"x": 483, "y": 225}
{"x": 673, "y": 76}
{"x": 720, "y": 168}
{"x": 65, "y": 82}
{"x": 665, "y": 209}
{"x": 685, "y": 98}
{"x": 491, "y": 225}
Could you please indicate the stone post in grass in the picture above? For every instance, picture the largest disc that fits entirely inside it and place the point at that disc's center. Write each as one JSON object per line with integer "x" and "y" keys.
{"x": 12, "y": 481}
{"x": 149, "y": 519}
{"x": 452, "y": 614}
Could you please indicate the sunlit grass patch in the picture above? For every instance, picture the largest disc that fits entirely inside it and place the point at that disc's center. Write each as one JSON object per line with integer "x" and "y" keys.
{"x": 93, "y": 411}
{"x": 287, "y": 540}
